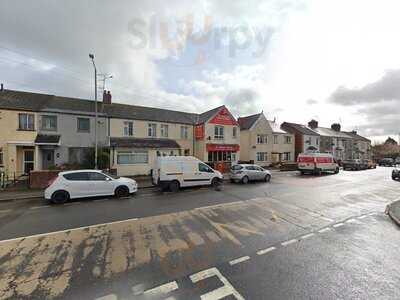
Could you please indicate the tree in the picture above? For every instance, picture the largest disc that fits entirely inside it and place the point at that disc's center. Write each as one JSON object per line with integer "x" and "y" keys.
{"x": 103, "y": 158}
{"x": 390, "y": 141}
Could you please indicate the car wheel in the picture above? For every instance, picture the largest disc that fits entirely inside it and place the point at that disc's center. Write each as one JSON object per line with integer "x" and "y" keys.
{"x": 121, "y": 191}
{"x": 267, "y": 178}
{"x": 232, "y": 180}
{"x": 317, "y": 172}
{"x": 174, "y": 186}
{"x": 245, "y": 180}
{"x": 59, "y": 197}
{"x": 337, "y": 171}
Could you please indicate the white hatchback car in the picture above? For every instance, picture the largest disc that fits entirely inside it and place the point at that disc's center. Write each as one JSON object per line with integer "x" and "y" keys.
{"x": 87, "y": 183}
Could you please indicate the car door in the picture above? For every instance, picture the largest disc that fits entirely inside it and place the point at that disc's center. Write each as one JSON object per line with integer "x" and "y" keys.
{"x": 204, "y": 175}
{"x": 251, "y": 173}
{"x": 101, "y": 184}
{"x": 78, "y": 184}
{"x": 259, "y": 173}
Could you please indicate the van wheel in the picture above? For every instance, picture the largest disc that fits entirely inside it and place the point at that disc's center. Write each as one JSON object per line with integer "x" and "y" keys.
{"x": 174, "y": 186}
{"x": 317, "y": 172}
{"x": 267, "y": 178}
{"x": 59, "y": 197}
{"x": 121, "y": 191}
{"x": 215, "y": 183}
{"x": 245, "y": 180}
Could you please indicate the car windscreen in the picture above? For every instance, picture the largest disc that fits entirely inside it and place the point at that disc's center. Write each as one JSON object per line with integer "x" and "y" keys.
{"x": 236, "y": 167}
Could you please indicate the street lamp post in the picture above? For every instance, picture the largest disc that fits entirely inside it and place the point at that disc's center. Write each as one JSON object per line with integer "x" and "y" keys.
{"x": 91, "y": 56}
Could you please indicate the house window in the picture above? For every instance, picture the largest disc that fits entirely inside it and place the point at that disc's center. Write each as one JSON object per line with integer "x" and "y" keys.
{"x": 128, "y": 128}
{"x": 152, "y": 130}
{"x": 164, "y": 130}
{"x": 275, "y": 139}
{"x": 288, "y": 139}
{"x": 262, "y": 156}
{"x": 187, "y": 152}
{"x": 262, "y": 139}
{"x": 132, "y": 157}
{"x": 184, "y": 132}
{"x": 287, "y": 156}
{"x": 26, "y": 122}
{"x": 49, "y": 123}
{"x": 219, "y": 132}
{"x": 234, "y": 132}
{"x": 317, "y": 141}
{"x": 1, "y": 157}
{"x": 83, "y": 125}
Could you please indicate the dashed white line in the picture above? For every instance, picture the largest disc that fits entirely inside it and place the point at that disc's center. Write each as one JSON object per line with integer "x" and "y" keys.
{"x": 362, "y": 217}
{"x": 307, "y": 236}
{"x": 162, "y": 289}
{"x": 239, "y": 260}
{"x": 4, "y": 211}
{"x": 338, "y": 225}
{"x": 350, "y": 221}
{"x": 38, "y": 207}
{"x": 289, "y": 242}
{"x": 324, "y": 230}
{"x": 265, "y": 251}
{"x": 108, "y": 297}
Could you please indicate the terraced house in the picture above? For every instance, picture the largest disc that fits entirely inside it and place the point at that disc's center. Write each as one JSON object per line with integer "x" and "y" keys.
{"x": 263, "y": 141}
{"x": 42, "y": 131}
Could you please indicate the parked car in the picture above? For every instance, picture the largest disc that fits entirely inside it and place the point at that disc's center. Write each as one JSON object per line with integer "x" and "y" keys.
{"x": 397, "y": 161}
{"x": 174, "y": 172}
{"x": 246, "y": 172}
{"x": 396, "y": 174}
{"x": 317, "y": 163}
{"x": 355, "y": 164}
{"x": 387, "y": 162}
{"x": 371, "y": 164}
{"x": 87, "y": 183}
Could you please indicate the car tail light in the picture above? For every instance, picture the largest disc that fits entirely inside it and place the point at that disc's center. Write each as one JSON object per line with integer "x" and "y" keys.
{"x": 51, "y": 181}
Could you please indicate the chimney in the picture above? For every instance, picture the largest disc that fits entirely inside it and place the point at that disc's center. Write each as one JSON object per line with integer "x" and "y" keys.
{"x": 354, "y": 132}
{"x": 1, "y": 87}
{"x": 313, "y": 124}
{"x": 107, "y": 97}
{"x": 336, "y": 127}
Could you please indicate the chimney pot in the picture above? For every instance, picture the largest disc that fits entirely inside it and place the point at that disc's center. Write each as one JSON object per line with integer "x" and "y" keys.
{"x": 107, "y": 97}
{"x": 313, "y": 124}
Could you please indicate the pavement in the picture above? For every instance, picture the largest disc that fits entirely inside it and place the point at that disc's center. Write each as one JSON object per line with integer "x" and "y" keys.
{"x": 297, "y": 237}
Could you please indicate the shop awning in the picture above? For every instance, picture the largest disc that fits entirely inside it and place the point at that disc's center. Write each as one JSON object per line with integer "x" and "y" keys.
{"x": 47, "y": 139}
{"x": 223, "y": 147}
{"x": 144, "y": 143}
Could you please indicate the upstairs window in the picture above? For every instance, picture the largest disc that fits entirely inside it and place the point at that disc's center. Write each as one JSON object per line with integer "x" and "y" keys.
{"x": 275, "y": 139}
{"x": 234, "y": 132}
{"x": 184, "y": 132}
{"x": 128, "y": 128}
{"x": 262, "y": 139}
{"x": 288, "y": 139}
{"x": 152, "y": 130}
{"x": 219, "y": 132}
{"x": 49, "y": 123}
{"x": 164, "y": 130}
{"x": 26, "y": 122}
{"x": 83, "y": 125}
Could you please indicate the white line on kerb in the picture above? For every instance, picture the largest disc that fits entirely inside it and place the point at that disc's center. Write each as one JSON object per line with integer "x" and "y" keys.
{"x": 307, "y": 236}
{"x": 239, "y": 260}
{"x": 289, "y": 242}
{"x": 324, "y": 230}
{"x": 163, "y": 289}
{"x": 264, "y": 251}
{"x": 66, "y": 230}
{"x": 108, "y": 297}
{"x": 362, "y": 217}
{"x": 338, "y": 225}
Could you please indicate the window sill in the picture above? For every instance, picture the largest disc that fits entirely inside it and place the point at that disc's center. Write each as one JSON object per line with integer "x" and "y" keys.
{"x": 83, "y": 131}
{"x": 19, "y": 129}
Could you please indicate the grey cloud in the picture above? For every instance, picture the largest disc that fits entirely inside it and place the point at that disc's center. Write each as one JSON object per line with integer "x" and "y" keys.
{"x": 242, "y": 102}
{"x": 312, "y": 101}
{"x": 385, "y": 89}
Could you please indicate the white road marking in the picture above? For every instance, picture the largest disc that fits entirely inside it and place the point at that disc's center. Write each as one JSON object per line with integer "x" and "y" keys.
{"x": 5, "y": 211}
{"x": 66, "y": 230}
{"x": 162, "y": 289}
{"x": 362, "y": 217}
{"x": 372, "y": 214}
{"x": 338, "y": 225}
{"x": 289, "y": 242}
{"x": 264, "y": 251}
{"x": 307, "y": 236}
{"x": 38, "y": 207}
{"x": 219, "y": 293}
{"x": 239, "y": 260}
{"x": 108, "y": 297}
{"x": 350, "y": 221}
{"x": 324, "y": 230}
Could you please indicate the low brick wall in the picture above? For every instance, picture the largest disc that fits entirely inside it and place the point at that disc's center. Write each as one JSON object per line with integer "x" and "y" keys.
{"x": 40, "y": 179}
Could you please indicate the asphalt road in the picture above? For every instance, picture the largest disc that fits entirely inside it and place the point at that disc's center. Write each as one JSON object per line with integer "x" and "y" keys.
{"x": 298, "y": 237}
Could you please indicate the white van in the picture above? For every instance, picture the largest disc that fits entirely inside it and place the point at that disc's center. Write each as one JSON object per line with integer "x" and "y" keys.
{"x": 174, "y": 172}
{"x": 316, "y": 163}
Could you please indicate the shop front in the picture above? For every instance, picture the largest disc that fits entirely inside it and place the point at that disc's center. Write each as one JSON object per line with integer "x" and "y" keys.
{"x": 222, "y": 156}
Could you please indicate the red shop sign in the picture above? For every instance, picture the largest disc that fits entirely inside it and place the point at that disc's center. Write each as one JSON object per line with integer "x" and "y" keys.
{"x": 199, "y": 132}
{"x": 219, "y": 147}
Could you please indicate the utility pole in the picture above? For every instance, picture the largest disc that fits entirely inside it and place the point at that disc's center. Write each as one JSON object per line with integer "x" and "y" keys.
{"x": 91, "y": 56}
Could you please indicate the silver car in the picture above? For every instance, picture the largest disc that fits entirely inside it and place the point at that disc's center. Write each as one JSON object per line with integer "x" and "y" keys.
{"x": 245, "y": 172}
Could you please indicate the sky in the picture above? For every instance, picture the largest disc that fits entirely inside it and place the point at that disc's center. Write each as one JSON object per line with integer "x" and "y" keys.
{"x": 295, "y": 60}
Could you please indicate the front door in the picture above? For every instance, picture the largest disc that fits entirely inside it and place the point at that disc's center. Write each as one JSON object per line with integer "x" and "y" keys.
{"x": 29, "y": 161}
{"x": 47, "y": 159}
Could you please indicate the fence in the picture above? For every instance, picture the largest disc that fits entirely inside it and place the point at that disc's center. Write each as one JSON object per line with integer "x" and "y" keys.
{"x": 14, "y": 179}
